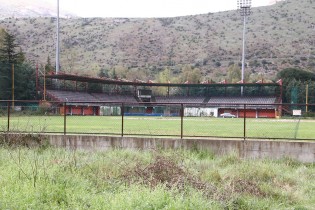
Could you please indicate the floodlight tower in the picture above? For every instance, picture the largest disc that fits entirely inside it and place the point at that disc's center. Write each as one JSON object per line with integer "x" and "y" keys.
{"x": 244, "y": 7}
{"x": 57, "y": 41}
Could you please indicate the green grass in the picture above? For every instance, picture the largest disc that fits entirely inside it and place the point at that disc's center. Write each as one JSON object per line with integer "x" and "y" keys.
{"x": 171, "y": 126}
{"x": 51, "y": 178}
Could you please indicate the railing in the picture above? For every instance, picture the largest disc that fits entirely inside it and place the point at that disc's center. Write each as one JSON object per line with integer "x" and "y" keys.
{"x": 179, "y": 120}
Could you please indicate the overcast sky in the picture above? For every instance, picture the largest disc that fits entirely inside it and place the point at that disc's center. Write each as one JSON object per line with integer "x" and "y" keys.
{"x": 148, "y": 8}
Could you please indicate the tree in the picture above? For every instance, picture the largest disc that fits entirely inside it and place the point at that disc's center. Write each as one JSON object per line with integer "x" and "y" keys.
{"x": 119, "y": 72}
{"x": 113, "y": 74}
{"x": 7, "y": 52}
{"x": 191, "y": 75}
{"x": 234, "y": 73}
{"x": 294, "y": 81}
{"x": 13, "y": 62}
{"x": 103, "y": 73}
{"x": 24, "y": 82}
{"x": 5, "y": 81}
{"x": 164, "y": 76}
{"x": 25, "y": 88}
{"x": 293, "y": 73}
{"x": 136, "y": 73}
{"x": 20, "y": 57}
{"x": 48, "y": 66}
{"x": 94, "y": 87}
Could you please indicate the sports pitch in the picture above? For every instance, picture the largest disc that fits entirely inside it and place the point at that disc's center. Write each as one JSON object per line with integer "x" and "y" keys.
{"x": 164, "y": 126}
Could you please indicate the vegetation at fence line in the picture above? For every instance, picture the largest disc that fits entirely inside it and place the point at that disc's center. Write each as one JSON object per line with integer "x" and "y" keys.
{"x": 52, "y": 178}
{"x": 296, "y": 82}
{"x": 170, "y": 126}
{"x": 17, "y": 139}
{"x": 309, "y": 114}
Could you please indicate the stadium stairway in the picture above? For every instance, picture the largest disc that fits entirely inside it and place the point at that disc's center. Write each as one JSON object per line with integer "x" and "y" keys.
{"x": 153, "y": 99}
{"x": 206, "y": 100}
{"x": 137, "y": 99}
{"x": 286, "y": 109}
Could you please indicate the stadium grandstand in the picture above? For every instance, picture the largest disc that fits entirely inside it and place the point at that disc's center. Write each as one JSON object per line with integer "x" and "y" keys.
{"x": 83, "y": 95}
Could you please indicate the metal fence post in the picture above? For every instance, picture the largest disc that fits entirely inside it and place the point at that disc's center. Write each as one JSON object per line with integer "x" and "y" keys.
{"x": 64, "y": 118}
{"x": 8, "y": 126}
{"x": 181, "y": 121}
{"x": 122, "y": 119}
{"x": 245, "y": 122}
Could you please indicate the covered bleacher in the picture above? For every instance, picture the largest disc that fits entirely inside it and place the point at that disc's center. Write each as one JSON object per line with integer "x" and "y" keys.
{"x": 261, "y": 98}
{"x": 250, "y": 101}
{"x": 180, "y": 99}
{"x": 73, "y": 96}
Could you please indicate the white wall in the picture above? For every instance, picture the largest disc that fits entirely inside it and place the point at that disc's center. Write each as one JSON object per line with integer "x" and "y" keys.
{"x": 200, "y": 112}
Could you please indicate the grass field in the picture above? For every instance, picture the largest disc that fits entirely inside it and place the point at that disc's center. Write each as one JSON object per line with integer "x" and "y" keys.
{"x": 161, "y": 126}
{"x": 48, "y": 178}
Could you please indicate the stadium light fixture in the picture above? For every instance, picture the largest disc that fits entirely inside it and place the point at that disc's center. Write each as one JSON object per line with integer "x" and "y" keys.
{"x": 244, "y": 8}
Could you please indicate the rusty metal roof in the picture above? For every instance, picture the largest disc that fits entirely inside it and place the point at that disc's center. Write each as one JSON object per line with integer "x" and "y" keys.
{"x": 72, "y": 77}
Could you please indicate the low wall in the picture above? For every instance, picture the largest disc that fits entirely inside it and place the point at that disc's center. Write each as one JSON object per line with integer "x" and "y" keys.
{"x": 299, "y": 150}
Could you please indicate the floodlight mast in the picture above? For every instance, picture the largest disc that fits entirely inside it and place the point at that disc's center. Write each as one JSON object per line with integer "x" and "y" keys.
{"x": 244, "y": 7}
{"x": 57, "y": 41}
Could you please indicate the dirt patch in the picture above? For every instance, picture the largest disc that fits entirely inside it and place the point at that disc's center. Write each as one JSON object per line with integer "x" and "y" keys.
{"x": 167, "y": 172}
{"x": 240, "y": 186}
{"x": 248, "y": 187}
{"x": 170, "y": 173}
{"x": 20, "y": 139}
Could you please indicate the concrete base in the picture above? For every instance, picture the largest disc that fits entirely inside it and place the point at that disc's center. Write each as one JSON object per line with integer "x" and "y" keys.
{"x": 299, "y": 150}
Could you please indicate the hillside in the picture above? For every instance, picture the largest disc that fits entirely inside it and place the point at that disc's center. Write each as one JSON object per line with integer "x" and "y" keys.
{"x": 279, "y": 36}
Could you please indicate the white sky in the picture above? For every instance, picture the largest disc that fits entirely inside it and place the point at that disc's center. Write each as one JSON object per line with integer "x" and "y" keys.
{"x": 147, "y": 8}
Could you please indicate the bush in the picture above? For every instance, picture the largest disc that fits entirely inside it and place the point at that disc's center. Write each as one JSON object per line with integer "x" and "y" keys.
{"x": 309, "y": 114}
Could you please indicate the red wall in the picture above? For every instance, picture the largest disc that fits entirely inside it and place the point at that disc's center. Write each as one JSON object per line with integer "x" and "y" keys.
{"x": 88, "y": 110}
{"x": 80, "y": 110}
{"x": 76, "y": 110}
{"x": 269, "y": 113}
{"x": 250, "y": 113}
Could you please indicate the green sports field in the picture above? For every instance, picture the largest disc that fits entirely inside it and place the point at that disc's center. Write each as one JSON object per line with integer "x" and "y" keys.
{"x": 164, "y": 126}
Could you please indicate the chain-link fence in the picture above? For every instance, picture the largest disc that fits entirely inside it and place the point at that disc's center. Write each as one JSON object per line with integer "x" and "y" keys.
{"x": 181, "y": 120}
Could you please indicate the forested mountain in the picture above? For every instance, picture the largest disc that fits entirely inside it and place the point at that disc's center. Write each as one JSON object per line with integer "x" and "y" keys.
{"x": 278, "y": 36}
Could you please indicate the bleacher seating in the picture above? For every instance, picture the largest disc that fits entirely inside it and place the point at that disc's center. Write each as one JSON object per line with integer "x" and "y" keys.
{"x": 179, "y": 99}
{"x": 258, "y": 102}
{"x": 114, "y": 98}
{"x": 72, "y": 96}
{"x": 235, "y": 102}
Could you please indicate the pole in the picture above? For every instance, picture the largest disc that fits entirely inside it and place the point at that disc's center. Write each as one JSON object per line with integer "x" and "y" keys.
{"x": 64, "y": 118}
{"x": 13, "y": 86}
{"x": 122, "y": 118}
{"x": 57, "y": 42}
{"x": 36, "y": 79}
{"x": 244, "y": 7}
{"x": 8, "y": 126}
{"x": 44, "y": 83}
{"x": 306, "y": 100}
{"x": 281, "y": 96}
{"x": 181, "y": 121}
{"x": 244, "y": 134}
{"x": 243, "y": 54}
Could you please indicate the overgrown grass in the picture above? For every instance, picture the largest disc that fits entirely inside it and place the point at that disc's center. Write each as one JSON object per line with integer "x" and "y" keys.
{"x": 171, "y": 126}
{"x": 52, "y": 178}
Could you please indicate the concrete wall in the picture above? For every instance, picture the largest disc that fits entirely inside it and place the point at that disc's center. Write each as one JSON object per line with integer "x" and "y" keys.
{"x": 302, "y": 151}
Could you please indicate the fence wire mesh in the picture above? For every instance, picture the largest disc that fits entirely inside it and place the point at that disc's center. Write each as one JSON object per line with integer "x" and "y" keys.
{"x": 177, "y": 120}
